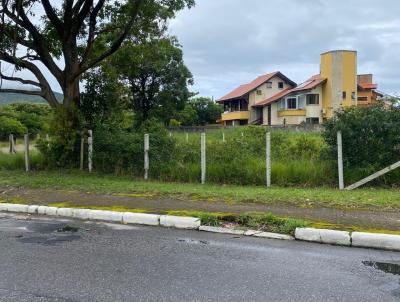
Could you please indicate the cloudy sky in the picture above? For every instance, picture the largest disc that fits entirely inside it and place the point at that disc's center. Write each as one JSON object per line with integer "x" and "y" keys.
{"x": 230, "y": 42}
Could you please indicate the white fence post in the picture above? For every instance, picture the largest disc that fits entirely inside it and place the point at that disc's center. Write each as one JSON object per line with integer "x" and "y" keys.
{"x": 12, "y": 143}
{"x": 82, "y": 151}
{"x": 26, "y": 153}
{"x": 203, "y": 158}
{"x": 340, "y": 159}
{"x": 90, "y": 150}
{"x": 268, "y": 158}
{"x": 187, "y": 137}
{"x": 146, "y": 156}
{"x": 223, "y": 137}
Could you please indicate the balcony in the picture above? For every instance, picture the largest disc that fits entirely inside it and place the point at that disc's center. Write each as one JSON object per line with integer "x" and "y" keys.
{"x": 236, "y": 115}
{"x": 292, "y": 112}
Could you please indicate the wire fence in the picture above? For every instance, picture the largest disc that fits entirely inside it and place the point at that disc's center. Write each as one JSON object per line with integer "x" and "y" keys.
{"x": 232, "y": 156}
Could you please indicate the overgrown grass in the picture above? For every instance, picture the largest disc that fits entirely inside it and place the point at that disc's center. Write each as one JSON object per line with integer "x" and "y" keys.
{"x": 17, "y": 161}
{"x": 367, "y": 198}
{"x": 265, "y": 222}
{"x": 299, "y": 159}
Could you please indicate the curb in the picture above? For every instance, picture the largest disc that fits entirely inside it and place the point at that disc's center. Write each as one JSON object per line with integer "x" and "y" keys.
{"x": 189, "y": 223}
{"x": 355, "y": 239}
{"x": 324, "y": 236}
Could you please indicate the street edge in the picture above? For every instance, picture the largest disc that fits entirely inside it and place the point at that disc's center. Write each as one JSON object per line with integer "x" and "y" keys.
{"x": 323, "y": 236}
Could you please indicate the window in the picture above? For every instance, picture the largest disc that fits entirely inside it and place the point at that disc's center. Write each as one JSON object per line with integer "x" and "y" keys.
{"x": 291, "y": 103}
{"x": 312, "y": 120}
{"x": 259, "y": 92}
{"x": 353, "y": 95}
{"x": 280, "y": 85}
{"x": 312, "y": 99}
{"x": 362, "y": 99}
{"x": 344, "y": 95}
{"x": 269, "y": 84}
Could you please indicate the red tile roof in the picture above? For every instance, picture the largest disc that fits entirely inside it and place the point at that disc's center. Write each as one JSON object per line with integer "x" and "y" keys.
{"x": 274, "y": 98}
{"x": 311, "y": 83}
{"x": 367, "y": 86}
{"x": 246, "y": 88}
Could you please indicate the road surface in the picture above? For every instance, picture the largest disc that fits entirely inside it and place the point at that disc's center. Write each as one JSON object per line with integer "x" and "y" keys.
{"x": 60, "y": 260}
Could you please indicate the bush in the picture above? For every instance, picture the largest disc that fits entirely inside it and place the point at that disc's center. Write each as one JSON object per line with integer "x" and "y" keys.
{"x": 371, "y": 138}
{"x": 121, "y": 151}
{"x": 33, "y": 117}
{"x": 9, "y": 126}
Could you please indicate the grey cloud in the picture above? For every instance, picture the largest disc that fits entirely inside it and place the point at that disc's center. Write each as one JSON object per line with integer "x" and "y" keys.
{"x": 228, "y": 42}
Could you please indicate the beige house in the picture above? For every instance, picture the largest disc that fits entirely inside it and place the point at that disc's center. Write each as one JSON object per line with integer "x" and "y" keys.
{"x": 273, "y": 99}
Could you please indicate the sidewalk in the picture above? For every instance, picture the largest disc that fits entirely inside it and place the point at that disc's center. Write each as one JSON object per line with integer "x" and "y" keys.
{"x": 352, "y": 219}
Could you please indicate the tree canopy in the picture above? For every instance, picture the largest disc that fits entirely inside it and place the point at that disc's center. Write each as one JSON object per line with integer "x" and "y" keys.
{"x": 72, "y": 36}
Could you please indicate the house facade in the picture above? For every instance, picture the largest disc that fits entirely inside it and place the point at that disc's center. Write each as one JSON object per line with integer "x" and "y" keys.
{"x": 273, "y": 99}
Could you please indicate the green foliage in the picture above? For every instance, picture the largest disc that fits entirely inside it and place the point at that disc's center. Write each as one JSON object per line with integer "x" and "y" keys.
{"x": 207, "y": 111}
{"x": 174, "y": 123}
{"x": 158, "y": 83}
{"x": 63, "y": 148}
{"x": 270, "y": 223}
{"x": 21, "y": 118}
{"x": 120, "y": 151}
{"x": 11, "y": 162}
{"x": 102, "y": 102}
{"x": 371, "y": 138}
{"x": 297, "y": 158}
{"x": 9, "y": 125}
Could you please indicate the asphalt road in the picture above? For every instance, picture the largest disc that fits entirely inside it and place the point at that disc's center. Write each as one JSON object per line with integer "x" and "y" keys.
{"x": 42, "y": 260}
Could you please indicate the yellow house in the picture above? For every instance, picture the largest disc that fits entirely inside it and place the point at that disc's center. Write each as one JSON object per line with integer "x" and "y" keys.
{"x": 273, "y": 99}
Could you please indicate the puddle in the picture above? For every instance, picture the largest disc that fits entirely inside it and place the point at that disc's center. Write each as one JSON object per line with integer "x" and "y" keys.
{"x": 68, "y": 228}
{"x": 387, "y": 267}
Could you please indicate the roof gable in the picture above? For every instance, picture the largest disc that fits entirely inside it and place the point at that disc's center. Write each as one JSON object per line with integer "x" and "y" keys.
{"x": 242, "y": 90}
{"x": 310, "y": 84}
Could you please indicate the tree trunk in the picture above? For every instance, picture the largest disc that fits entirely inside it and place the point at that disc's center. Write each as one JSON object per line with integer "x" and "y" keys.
{"x": 71, "y": 102}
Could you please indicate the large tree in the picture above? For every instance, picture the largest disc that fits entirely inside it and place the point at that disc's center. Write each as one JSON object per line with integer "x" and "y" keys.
{"x": 158, "y": 85}
{"x": 71, "y": 37}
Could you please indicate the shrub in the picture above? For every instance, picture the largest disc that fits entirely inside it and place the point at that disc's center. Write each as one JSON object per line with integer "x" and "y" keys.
{"x": 121, "y": 151}
{"x": 9, "y": 126}
{"x": 371, "y": 138}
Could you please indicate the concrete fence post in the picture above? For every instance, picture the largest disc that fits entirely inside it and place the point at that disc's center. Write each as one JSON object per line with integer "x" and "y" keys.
{"x": 12, "y": 143}
{"x": 268, "y": 158}
{"x": 90, "y": 150}
{"x": 203, "y": 158}
{"x": 82, "y": 151}
{"x": 146, "y": 156}
{"x": 223, "y": 137}
{"x": 340, "y": 159}
{"x": 187, "y": 137}
{"x": 26, "y": 152}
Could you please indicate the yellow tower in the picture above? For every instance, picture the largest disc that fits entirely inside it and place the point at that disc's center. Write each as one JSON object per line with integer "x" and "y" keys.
{"x": 339, "y": 67}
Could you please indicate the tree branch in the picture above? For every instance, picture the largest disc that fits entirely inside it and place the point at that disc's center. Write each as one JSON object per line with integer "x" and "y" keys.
{"x": 39, "y": 41}
{"x": 92, "y": 27}
{"x": 22, "y": 91}
{"x": 46, "y": 89}
{"x": 51, "y": 14}
{"x": 17, "y": 79}
{"x": 117, "y": 43}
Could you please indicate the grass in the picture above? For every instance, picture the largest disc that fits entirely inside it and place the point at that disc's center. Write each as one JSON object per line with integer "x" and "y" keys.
{"x": 368, "y": 198}
{"x": 17, "y": 161}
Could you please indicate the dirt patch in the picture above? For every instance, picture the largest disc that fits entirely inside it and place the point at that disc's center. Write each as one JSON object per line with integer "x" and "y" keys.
{"x": 366, "y": 219}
